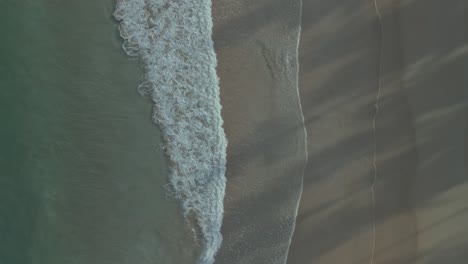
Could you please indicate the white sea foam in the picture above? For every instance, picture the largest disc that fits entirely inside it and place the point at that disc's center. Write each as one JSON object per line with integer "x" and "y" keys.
{"x": 173, "y": 40}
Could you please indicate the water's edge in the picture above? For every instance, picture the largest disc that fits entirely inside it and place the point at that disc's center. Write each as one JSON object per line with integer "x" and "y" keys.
{"x": 306, "y": 155}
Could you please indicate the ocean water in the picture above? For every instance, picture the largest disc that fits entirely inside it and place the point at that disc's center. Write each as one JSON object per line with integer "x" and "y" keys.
{"x": 173, "y": 41}
{"x": 82, "y": 165}
{"x": 89, "y": 168}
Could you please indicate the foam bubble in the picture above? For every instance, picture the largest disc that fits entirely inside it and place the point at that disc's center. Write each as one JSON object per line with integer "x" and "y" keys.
{"x": 173, "y": 40}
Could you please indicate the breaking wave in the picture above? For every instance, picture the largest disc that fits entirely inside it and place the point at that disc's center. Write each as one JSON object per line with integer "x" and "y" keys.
{"x": 172, "y": 38}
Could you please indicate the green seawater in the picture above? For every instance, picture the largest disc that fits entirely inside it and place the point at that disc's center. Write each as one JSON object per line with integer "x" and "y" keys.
{"x": 81, "y": 171}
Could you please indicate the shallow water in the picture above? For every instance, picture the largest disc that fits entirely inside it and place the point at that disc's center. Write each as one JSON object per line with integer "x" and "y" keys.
{"x": 81, "y": 164}
{"x": 256, "y": 45}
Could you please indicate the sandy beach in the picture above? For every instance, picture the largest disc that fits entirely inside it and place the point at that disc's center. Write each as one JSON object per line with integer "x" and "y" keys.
{"x": 419, "y": 48}
{"x": 383, "y": 90}
{"x": 338, "y": 77}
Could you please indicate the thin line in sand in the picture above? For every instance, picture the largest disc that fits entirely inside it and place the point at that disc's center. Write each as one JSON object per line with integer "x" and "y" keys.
{"x": 376, "y": 105}
{"x": 306, "y": 153}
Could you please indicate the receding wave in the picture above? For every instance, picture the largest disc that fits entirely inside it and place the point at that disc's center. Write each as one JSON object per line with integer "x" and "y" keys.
{"x": 172, "y": 38}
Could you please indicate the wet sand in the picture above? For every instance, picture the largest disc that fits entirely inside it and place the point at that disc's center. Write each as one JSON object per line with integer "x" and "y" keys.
{"x": 338, "y": 77}
{"x": 256, "y": 43}
{"x": 420, "y": 130}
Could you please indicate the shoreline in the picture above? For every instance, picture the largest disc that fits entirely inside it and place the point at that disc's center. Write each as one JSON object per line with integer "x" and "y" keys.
{"x": 258, "y": 80}
{"x": 306, "y": 158}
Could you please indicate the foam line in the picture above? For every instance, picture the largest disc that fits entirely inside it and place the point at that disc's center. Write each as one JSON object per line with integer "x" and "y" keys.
{"x": 172, "y": 38}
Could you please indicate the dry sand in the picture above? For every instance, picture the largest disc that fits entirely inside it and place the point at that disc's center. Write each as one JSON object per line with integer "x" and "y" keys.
{"x": 420, "y": 188}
